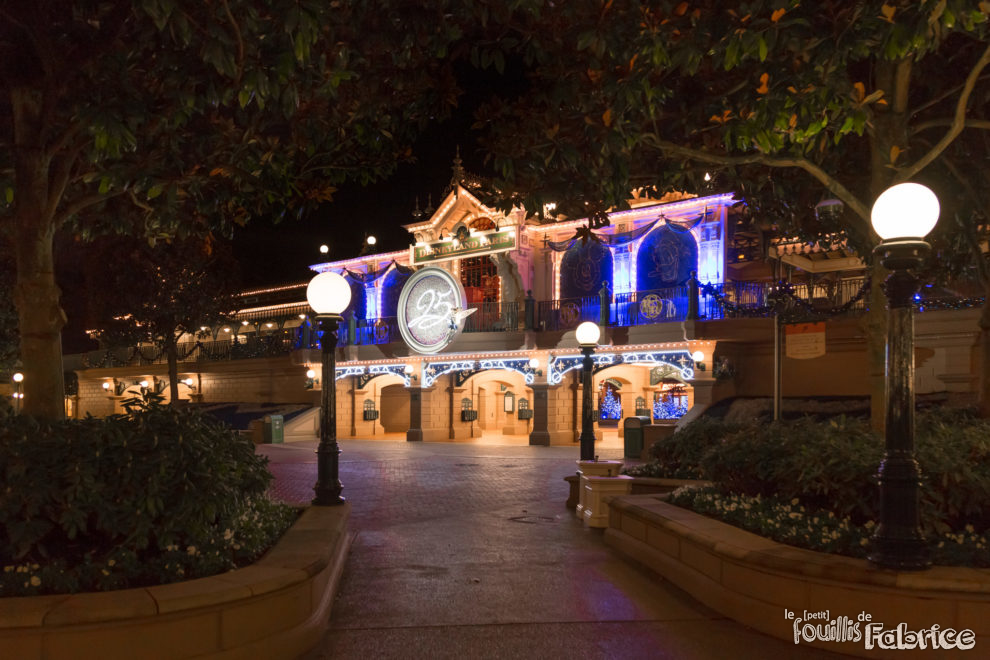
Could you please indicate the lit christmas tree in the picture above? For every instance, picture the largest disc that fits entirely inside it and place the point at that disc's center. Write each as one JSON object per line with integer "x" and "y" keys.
{"x": 610, "y": 406}
{"x": 669, "y": 407}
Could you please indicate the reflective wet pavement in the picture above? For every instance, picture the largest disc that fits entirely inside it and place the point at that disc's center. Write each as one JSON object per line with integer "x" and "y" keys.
{"x": 467, "y": 551}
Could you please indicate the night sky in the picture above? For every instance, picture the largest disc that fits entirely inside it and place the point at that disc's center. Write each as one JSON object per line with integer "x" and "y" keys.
{"x": 276, "y": 254}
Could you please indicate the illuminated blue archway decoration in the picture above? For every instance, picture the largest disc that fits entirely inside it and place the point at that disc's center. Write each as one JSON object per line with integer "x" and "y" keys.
{"x": 561, "y": 364}
{"x": 666, "y": 258}
{"x": 376, "y": 370}
{"x": 434, "y": 370}
{"x": 680, "y": 360}
{"x": 391, "y": 289}
{"x": 520, "y": 366}
{"x": 358, "y": 306}
{"x": 344, "y": 372}
{"x": 583, "y": 269}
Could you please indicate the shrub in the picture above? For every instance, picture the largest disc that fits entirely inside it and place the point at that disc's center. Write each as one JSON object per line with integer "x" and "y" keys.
{"x": 832, "y": 465}
{"x": 106, "y": 503}
{"x": 680, "y": 455}
{"x": 824, "y": 464}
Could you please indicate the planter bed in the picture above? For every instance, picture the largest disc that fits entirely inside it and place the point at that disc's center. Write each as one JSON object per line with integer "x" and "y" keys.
{"x": 755, "y": 581}
{"x": 274, "y": 608}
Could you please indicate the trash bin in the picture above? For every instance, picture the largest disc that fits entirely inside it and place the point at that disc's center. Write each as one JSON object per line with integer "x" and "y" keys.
{"x": 273, "y": 431}
{"x": 632, "y": 432}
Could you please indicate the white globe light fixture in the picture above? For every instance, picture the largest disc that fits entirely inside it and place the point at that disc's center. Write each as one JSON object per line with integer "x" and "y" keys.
{"x": 407, "y": 370}
{"x": 107, "y": 385}
{"x": 311, "y": 374}
{"x": 697, "y": 356}
{"x": 324, "y": 249}
{"x": 372, "y": 240}
{"x": 907, "y": 210}
{"x": 588, "y": 334}
{"x": 188, "y": 382}
{"x": 328, "y": 293}
{"x": 534, "y": 363}
{"x": 18, "y": 377}
{"x": 144, "y": 384}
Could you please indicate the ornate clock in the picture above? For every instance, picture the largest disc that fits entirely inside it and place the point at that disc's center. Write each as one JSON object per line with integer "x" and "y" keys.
{"x": 431, "y": 310}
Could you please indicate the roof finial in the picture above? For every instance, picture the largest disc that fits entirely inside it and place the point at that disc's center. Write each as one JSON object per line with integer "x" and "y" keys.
{"x": 417, "y": 214}
{"x": 457, "y": 175}
{"x": 429, "y": 205}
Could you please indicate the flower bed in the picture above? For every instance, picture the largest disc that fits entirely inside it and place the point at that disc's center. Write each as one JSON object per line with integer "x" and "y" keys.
{"x": 787, "y": 521}
{"x": 812, "y": 483}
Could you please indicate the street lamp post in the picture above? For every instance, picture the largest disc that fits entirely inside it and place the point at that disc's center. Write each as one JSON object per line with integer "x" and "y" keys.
{"x": 328, "y": 294}
{"x": 902, "y": 216}
{"x": 18, "y": 378}
{"x": 588, "y": 334}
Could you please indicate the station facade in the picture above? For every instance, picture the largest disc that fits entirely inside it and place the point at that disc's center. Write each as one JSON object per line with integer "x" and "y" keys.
{"x": 668, "y": 281}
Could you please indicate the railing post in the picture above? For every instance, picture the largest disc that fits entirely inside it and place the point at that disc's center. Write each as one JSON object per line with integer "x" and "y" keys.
{"x": 529, "y": 311}
{"x": 692, "y": 284}
{"x": 605, "y": 302}
{"x": 351, "y": 338}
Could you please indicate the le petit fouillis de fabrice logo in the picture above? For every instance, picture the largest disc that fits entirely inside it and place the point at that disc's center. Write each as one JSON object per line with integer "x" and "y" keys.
{"x": 820, "y": 626}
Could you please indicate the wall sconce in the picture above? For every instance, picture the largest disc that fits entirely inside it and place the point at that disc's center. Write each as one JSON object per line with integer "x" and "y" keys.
{"x": 698, "y": 358}
{"x": 311, "y": 379}
{"x": 144, "y": 384}
{"x": 107, "y": 386}
{"x": 534, "y": 365}
{"x": 408, "y": 371}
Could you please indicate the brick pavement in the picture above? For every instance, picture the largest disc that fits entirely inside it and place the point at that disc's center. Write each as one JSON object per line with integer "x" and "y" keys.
{"x": 467, "y": 551}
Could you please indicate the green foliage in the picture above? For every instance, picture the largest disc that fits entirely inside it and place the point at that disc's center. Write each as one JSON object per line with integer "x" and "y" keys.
{"x": 832, "y": 465}
{"x": 680, "y": 455}
{"x": 783, "y": 102}
{"x": 84, "y": 496}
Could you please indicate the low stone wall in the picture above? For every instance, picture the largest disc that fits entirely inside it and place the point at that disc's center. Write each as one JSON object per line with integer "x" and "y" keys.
{"x": 757, "y": 582}
{"x": 276, "y": 608}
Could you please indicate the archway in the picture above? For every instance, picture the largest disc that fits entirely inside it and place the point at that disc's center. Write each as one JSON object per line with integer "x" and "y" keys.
{"x": 665, "y": 259}
{"x": 394, "y": 408}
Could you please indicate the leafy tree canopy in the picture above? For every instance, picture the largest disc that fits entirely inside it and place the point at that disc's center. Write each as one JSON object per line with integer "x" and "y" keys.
{"x": 161, "y": 118}
{"x": 784, "y": 101}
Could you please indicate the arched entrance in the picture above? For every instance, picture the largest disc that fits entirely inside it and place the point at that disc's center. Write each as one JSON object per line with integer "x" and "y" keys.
{"x": 394, "y": 410}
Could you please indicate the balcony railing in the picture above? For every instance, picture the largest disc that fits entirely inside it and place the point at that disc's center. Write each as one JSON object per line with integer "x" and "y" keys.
{"x": 715, "y": 302}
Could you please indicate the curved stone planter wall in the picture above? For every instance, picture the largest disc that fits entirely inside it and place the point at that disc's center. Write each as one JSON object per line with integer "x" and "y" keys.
{"x": 754, "y": 580}
{"x": 275, "y": 608}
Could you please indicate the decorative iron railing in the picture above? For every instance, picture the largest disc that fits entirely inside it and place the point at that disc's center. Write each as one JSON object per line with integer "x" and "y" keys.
{"x": 714, "y": 302}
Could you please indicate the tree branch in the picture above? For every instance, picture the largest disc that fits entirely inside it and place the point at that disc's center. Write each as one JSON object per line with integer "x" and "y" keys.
{"x": 84, "y": 203}
{"x": 240, "y": 43}
{"x": 958, "y": 121}
{"x": 983, "y": 124}
{"x": 823, "y": 177}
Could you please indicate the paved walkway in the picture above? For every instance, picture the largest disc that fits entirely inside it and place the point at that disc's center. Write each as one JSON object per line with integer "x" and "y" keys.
{"x": 467, "y": 551}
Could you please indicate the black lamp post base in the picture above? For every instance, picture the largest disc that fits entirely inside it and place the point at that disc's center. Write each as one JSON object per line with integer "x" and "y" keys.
{"x": 900, "y": 554}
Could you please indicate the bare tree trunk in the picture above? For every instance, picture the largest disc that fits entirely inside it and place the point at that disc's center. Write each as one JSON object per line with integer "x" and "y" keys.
{"x": 35, "y": 293}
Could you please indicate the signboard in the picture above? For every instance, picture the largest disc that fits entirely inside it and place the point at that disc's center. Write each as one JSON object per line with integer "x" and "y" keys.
{"x": 464, "y": 245}
{"x": 805, "y": 340}
{"x": 431, "y": 310}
